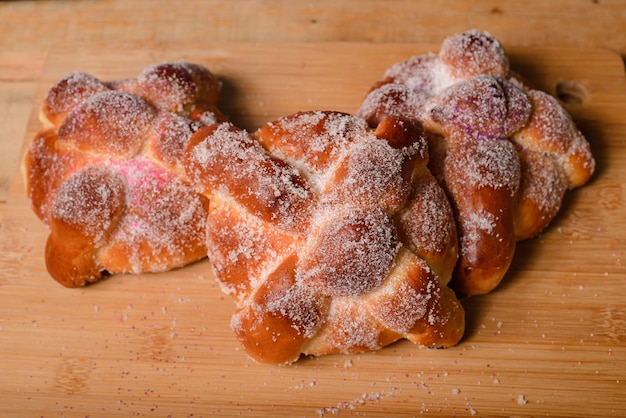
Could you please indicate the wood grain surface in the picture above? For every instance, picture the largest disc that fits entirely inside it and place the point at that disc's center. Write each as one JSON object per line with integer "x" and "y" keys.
{"x": 550, "y": 341}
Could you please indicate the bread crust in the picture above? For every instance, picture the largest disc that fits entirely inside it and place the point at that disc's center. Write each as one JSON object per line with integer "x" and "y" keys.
{"x": 504, "y": 152}
{"x": 313, "y": 229}
{"x": 104, "y": 173}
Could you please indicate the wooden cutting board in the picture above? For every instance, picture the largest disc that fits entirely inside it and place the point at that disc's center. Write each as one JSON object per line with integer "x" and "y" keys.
{"x": 551, "y": 340}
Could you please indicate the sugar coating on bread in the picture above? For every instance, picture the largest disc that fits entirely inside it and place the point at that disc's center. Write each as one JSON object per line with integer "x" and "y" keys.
{"x": 504, "y": 152}
{"x": 311, "y": 230}
{"x": 105, "y": 174}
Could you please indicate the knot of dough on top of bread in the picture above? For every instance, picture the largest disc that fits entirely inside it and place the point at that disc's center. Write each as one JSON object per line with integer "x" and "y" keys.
{"x": 504, "y": 152}
{"x": 330, "y": 236}
{"x": 105, "y": 172}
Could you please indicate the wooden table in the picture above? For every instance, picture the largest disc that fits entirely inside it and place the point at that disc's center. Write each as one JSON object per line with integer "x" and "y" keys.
{"x": 550, "y": 341}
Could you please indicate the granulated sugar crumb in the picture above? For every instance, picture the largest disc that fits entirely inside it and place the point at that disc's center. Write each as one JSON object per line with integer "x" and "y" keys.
{"x": 521, "y": 399}
{"x": 351, "y": 405}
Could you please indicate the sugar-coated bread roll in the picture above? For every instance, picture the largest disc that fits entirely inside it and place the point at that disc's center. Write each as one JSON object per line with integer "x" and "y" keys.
{"x": 331, "y": 237}
{"x": 504, "y": 152}
{"x": 105, "y": 173}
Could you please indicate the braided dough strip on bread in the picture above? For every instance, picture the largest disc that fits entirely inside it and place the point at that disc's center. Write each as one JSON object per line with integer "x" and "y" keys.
{"x": 314, "y": 229}
{"x": 105, "y": 172}
{"x": 504, "y": 152}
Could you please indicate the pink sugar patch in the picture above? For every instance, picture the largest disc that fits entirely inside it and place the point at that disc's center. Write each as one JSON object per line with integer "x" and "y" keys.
{"x": 143, "y": 178}
{"x": 138, "y": 169}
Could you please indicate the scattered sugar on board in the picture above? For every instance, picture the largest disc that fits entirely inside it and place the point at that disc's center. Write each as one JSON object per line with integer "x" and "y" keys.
{"x": 353, "y": 404}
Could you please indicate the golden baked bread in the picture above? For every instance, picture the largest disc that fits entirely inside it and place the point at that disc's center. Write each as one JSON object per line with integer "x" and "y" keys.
{"x": 105, "y": 173}
{"x": 331, "y": 237}
{"x": 504, "y": 152}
